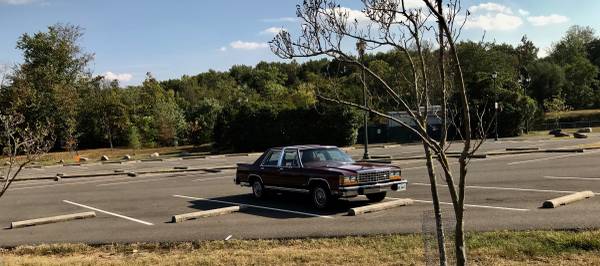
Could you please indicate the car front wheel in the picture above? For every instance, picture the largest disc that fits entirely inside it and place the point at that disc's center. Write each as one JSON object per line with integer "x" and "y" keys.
{"x": 376, "y": 197}
{"x": 321, "y": 198}
{"x": 258, "y": 189}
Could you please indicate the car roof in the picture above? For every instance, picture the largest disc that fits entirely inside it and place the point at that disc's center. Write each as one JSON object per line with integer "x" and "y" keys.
{"x": 303, "y": 147}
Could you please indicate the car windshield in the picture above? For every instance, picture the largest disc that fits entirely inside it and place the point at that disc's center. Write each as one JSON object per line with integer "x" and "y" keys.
{"x": 324, "y": 155}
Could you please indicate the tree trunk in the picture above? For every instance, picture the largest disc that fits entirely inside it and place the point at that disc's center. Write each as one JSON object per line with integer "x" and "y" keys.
{"x": 461, "y": 251}
{"x": 110, "y": 139}
{"x": 441, "y": 241}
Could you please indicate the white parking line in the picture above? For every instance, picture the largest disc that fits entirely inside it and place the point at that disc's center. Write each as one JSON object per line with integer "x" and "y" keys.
{"x": 573, "y": 178}
{"x": 425, "y": 166}
{"x": 255, "y": 206}
{"x": 107, "y": 212}
{"x": 551, "y": 158}
{"x": 70, "y": 183}
{"x": 212, "y": 178}
{"x": 475, "y": 206}
{"x": 511, "y": 188}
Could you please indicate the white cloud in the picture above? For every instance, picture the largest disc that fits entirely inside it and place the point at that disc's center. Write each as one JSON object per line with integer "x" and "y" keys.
{"x": 523, "y": 12}
{"x": 17, "y": 2}
{"x": 499, "y": 21}
{"x": 223, "y": 49}
{"x": 491, "y": 7}
{"x": 123, "y": 77}
{"x": 492, "y": 16}
{"x": 247, "y": 45}
{"x": 282, "y": 19}
{"x": 272, "y": 31}
{"x": 351, "y": 13}
{"x": 543, "y": 52}
{"x": 413, "y": 3}
{"x": 547, "y": 20}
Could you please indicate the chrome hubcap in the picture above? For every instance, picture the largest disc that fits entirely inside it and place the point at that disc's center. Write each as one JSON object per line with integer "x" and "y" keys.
{"x": 320, "y": 196}
{"x": 257, "y": 189}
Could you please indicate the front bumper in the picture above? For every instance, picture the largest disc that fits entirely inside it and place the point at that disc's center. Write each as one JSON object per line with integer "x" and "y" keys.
{"x": 399, "y": 185}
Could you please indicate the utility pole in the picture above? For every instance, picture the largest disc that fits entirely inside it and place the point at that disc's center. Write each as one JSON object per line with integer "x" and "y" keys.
{"x": 494, "y": 77}
{"x": 361, "y": 46}
{"x": 527, "y": 82}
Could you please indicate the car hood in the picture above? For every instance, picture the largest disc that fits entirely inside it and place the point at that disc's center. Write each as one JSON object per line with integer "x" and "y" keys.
{"x": 348, "y": 167}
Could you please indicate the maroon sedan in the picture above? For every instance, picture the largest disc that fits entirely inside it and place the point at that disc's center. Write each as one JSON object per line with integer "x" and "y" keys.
{"x": 326, "y": 172}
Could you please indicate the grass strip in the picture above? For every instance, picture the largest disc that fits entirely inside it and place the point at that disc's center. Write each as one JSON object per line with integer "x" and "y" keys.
{"x": 489, "y": 248}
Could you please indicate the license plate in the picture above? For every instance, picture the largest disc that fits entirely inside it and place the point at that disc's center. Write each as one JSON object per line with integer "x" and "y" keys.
{"x": 401, "y": 186}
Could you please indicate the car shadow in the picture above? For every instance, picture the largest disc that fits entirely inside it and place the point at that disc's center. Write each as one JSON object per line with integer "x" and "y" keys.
{"x": 279, "y": 205}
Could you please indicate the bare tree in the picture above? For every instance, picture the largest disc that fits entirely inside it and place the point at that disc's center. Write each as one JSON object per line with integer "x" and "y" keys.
{"x": 328, "y": 29}
{"x": 21, "y": 145}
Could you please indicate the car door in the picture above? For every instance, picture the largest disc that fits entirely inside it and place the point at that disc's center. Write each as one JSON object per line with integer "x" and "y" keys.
{"x": 269, "y": 169}
{"x": 292, "y": 174}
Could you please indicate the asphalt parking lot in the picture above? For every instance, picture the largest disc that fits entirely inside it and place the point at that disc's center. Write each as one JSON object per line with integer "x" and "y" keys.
{"x": 503, "y": 192}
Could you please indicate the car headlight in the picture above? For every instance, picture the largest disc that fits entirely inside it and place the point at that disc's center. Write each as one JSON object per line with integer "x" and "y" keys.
{"x": 349, "y": 180}
{"x": 395, "y": 174}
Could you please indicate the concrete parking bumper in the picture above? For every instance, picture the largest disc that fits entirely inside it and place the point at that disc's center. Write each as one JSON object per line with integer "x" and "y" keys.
{"x": 379, "y": 206}
{"x": 564, "y": 200}
{"x": 53, "y": 219}
{"x": 209, "y": 213}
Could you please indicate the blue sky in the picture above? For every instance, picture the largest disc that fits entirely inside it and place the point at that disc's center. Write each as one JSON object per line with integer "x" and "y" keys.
{"x": 173, "y": 38}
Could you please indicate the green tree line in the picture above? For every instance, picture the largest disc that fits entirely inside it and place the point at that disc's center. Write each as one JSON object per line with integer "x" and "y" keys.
{"x": 275, "y": 103}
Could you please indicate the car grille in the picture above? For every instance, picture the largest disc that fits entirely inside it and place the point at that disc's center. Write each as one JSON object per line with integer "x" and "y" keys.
{"x": 372, "y": 176}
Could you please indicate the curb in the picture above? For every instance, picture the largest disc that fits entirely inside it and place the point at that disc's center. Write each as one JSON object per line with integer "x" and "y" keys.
{"x": 202, "y": 214}
{"x": 474, "y": 156}
{"x": 53, "y": 219}
{"x": 523, "y": 149}
{"x": 194, "y": 157}
{"x": 112, "y": 162}
{"x": 236, "y": 155}
{"x": 392, "y": 146}
{"x": 564, "y": 150}
{"x": 564, "y": 200}
{"x": 152, "y": 160}
{"x": 513, "y": 152}
{"x": 132, "y": 174}
{"x": 379, "y": 206}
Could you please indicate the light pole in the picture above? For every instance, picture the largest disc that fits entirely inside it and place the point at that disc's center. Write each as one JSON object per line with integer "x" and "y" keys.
{"x": 525, "y": 83}
{"x": 361, "y": 46}
{"x": 494, "y": 77}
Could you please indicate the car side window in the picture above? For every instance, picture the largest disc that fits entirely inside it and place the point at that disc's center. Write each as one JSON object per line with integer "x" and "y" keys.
{"x": 290, "y": 159}
{"x": 272, "y": 158}
{"x": 321, "y": 156}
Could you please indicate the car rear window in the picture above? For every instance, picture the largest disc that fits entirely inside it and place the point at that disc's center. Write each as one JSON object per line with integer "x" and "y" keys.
{"x": 325, "y": 154}
{"x": 272, "y": 158}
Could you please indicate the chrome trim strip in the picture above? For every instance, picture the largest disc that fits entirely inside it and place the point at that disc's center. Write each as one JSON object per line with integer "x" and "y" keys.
{"x": 288, "y": 189}
{"x": 352, "y": 188}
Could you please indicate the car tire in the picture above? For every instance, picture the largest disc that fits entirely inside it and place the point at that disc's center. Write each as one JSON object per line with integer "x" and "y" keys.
{"x": 376, "y": 197}
{"x": 258, "y": 189}
{"x": 320, "y": 196}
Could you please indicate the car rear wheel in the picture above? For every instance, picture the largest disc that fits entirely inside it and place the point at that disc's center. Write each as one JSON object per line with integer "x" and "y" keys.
{"x": 320, "y": 196}
{"x": 376, "y": 197}
{"x": 258, "y": 189}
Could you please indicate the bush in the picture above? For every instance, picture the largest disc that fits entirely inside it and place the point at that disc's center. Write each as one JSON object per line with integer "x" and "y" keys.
{"x": 202, "y": 117}
{"x": 255, "y": 127}
{"x": 516, "y": 109}
{"x": 134, "y": 138}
